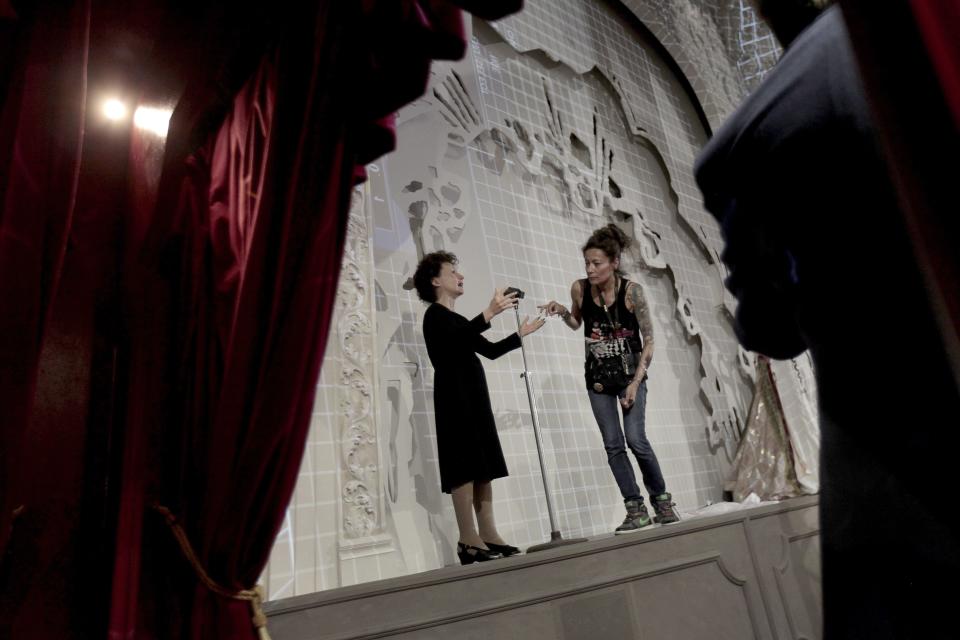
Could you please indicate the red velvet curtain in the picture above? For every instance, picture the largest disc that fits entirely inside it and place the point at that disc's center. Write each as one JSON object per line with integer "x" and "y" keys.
{"x": 188, "y": 332}
{"x": 43, "y": 54}
{"x": 233, "y": 293}
{"x": 914, "y": 91}
{"x": 939, "y": 24}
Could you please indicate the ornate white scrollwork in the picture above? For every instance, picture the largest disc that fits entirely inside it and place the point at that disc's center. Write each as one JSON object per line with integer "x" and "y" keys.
{"x": 355, "y": 339}
{"x": 359, "y": 514}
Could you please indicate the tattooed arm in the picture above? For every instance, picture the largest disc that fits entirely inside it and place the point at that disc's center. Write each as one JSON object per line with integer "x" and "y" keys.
{"x": 637, "y": 303}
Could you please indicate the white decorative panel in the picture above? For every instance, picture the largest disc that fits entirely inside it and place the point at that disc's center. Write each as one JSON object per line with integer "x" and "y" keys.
{"x": 560, "y": 119}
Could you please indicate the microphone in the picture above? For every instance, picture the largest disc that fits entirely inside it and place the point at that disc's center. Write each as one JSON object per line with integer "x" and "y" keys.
{"x": 510, "y": 290}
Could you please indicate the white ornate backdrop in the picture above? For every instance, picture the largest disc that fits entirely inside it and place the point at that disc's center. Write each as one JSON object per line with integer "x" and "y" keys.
{"x": 561, "y": 119}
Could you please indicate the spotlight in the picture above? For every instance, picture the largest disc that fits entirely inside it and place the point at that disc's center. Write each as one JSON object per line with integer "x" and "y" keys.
{"x": 114, "y": 109}
{"x": 152, "y": 119}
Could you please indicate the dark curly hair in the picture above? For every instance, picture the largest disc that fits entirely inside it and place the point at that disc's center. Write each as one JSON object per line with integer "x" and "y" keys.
{"x": 611, "y": 240}
{"x": 428, "y": 269}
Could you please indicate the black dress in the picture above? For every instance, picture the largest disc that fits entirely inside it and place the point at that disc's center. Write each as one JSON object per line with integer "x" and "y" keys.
{"x": 468, "y": 446}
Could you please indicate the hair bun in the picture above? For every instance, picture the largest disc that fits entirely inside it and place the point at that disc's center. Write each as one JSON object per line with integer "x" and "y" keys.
{"x": 617, "y": 235}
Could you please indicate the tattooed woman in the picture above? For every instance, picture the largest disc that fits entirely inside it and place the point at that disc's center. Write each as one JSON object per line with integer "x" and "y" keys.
{"x": 616, "y": 326}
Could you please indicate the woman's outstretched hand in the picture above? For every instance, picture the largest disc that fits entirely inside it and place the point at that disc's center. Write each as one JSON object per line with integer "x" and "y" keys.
{"x": 500, "y": 303}
{"x": 529, "y": 326}
{"x": 552, "y": 308}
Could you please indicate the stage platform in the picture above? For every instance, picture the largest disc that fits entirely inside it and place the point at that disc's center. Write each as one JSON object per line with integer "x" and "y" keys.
{"x": 753, "y": 573}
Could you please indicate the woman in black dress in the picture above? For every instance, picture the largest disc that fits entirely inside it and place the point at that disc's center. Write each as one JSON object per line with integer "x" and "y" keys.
{"x": 468, "y": 447}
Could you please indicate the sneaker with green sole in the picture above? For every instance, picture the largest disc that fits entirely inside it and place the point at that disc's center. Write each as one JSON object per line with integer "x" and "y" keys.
{"x": 637, "y": 517}
{"x": 665, "y": 509}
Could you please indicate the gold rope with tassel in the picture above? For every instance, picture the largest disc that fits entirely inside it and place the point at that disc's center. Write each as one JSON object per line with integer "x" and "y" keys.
{"x": 253, "y": 596}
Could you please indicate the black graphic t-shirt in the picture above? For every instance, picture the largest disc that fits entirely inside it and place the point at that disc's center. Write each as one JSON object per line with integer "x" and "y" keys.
{"x": 609, "y": 333}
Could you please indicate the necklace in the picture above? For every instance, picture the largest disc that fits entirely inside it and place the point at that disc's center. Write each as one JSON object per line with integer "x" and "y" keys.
{"x": 615, "y": 320}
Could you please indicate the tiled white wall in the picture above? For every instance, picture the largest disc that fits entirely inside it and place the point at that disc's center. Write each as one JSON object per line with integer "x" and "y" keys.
{"x": 760, "y": 50}
{"x": 489, "y": 156}
{"x": 304, "y": 557}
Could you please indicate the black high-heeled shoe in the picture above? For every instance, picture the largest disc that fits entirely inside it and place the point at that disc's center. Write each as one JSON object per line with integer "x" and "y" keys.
{"x": 505, "y": 550}
{"x": 469, "y": 554}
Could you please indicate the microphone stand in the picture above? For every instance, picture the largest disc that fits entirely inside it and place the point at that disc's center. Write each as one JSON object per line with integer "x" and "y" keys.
{"x": 556, "y": 539}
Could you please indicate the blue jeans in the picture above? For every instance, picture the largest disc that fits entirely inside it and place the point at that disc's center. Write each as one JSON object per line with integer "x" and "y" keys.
{"x": 634, "y": 428}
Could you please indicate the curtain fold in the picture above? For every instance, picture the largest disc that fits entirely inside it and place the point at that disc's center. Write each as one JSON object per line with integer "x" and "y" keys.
{"x": 232, "y": 295}
{"x": 939, "y": 23}
{"x": 43, "y": 77}
{"x": 914, "y": 94}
